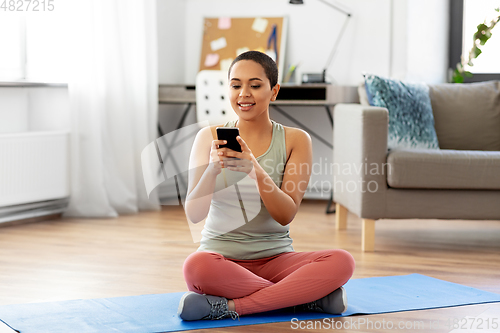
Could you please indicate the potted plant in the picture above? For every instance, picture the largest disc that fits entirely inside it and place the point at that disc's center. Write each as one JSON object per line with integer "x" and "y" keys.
{"x": 481, "y": 36}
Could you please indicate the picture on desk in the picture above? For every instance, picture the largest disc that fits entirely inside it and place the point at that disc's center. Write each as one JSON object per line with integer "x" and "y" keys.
{"x": 224, "y": 38}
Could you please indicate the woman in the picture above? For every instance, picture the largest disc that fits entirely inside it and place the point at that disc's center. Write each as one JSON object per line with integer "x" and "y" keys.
{"x": 246, "y": 263}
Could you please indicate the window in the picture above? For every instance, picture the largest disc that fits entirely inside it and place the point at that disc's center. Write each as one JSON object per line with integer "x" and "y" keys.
{"x": 12, "y": 43}
{"x": 465, "y": 15}
{"x": 34, "y": 45}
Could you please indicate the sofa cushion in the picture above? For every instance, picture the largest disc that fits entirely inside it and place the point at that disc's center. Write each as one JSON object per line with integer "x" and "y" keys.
{"x": 411, "y": 123}
{"x": 467, "y": 116}
{"x": 444, "y": 169}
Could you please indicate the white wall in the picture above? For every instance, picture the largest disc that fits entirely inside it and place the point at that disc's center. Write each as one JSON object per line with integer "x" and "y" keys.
{"x": 420, "y": 40}
{"x": 48, "y": 109}
{"x": 312, "y": 30}
{"x": 13, "y": 110}
{"x": 171, "y": 36}
{"x": 404, "y": 39}
{"x": 34, "y": 109}
{"x": 428, "y": 26}
{"x": 399, "y": 40}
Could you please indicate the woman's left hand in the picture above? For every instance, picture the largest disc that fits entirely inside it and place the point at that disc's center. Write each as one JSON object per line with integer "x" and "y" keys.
{"x": 242, "y": 162}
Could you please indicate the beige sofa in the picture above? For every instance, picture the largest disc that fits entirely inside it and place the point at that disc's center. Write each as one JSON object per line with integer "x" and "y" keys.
{"x": 461, "y": 180}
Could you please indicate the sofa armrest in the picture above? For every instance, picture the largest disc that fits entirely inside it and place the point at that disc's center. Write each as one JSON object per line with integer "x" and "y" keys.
{"x": 359, "y": 156}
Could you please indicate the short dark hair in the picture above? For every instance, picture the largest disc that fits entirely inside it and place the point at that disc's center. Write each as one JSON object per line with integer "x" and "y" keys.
{"x": 262, "y": 59}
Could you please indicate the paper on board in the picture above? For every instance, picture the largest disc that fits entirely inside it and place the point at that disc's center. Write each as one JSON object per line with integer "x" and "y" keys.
{"x": 259, "y": 24}
{"x": 224, "y": 23}
{"x": 218, "y": 44}
{"x": 241, "y": 50}
{"x": 225, "y": 64}
{"x": 211, "y": 60}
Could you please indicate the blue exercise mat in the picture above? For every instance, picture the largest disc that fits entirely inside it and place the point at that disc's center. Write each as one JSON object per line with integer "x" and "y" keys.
{"x": 158, "y": 313}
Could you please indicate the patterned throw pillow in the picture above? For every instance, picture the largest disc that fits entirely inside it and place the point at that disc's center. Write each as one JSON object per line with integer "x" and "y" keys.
{"x": 411, "y": 122}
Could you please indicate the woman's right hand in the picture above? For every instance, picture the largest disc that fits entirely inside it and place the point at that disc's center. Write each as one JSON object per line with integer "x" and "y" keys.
{"x": 216, "y": 163}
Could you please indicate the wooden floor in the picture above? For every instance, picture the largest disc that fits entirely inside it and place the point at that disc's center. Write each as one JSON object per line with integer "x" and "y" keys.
{"x": 143, "y": 254}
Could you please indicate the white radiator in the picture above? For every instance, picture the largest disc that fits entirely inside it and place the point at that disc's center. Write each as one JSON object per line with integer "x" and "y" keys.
{"x": 34, "y": 166}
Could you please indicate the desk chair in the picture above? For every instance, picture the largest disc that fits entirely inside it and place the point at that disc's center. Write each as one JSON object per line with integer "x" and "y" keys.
{"x": 212, "y": 108}
{"x": 212, "y": 101}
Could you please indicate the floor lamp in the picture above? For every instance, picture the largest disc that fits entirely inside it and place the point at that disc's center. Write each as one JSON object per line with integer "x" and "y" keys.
{"x": 321, "y": 78}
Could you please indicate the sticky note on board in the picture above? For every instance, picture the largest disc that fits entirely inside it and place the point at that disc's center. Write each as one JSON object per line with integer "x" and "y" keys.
{"x": 211, "y": 60}
{"x": 259, "y": 24}
{"x": 241, "y": 50}
{"x": 260, "y": 49}
{"x": 224, "y": 23}
{"x": 218, "y": 44}
{"x": 225, "y": 64}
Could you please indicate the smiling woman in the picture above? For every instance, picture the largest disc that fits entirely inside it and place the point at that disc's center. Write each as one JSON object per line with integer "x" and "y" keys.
{"x": 250, "y": 90}
{"x": 246, "y": 263}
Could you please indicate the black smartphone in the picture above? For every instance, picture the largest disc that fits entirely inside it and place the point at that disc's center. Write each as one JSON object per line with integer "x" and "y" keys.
{"x": 229, "y": 134}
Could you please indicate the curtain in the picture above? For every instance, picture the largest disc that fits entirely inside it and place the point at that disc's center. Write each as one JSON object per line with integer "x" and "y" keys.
{"x": 113, "y": 91}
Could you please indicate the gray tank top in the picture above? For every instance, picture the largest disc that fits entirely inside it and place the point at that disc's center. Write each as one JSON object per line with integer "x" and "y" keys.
{"x": 238, "y": 225}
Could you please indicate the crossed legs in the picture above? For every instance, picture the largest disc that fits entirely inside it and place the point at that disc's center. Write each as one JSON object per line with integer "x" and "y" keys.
{"x": 260, "y": 285}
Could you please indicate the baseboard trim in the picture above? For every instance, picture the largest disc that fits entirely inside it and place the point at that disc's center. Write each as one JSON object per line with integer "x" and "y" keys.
{"x": 31, "y": 220}
{"x": 32, "y": 212}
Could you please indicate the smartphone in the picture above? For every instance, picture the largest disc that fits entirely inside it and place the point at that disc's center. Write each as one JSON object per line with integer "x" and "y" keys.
{"x": 229, "y": 134}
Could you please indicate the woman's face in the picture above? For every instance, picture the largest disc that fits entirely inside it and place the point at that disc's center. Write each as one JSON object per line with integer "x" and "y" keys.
{"x": 250, "y": 90}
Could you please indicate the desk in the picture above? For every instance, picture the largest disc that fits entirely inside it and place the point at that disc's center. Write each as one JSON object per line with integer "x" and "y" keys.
{"x": 290, "y": 94}
{"x": 325, "y": 95}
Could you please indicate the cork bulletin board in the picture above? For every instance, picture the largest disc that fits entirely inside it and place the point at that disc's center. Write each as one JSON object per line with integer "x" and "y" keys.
{"x": 224, "y": 38}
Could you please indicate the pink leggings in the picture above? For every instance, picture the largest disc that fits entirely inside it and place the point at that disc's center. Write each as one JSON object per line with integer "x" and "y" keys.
{"x": 280, "y": 281}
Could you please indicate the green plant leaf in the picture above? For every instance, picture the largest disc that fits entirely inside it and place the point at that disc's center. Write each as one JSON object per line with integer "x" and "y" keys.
{"x": 457, "y": 77}
{"x": 481, "y": 27}
{"x": 483, "y": 37}
{"x": 474, "y": 52}
{"x": 480, "y": 37}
